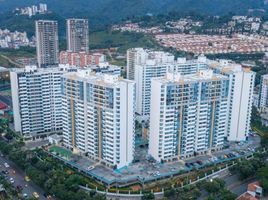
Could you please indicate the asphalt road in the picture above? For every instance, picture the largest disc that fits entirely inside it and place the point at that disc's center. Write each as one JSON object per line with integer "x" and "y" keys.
{"x": 232, "y": 183}
{"x": 6, "y": 100}
{"x": 4, "y": 87}
{"x": 236, "y": 186}
{"x": 18, "y": 176}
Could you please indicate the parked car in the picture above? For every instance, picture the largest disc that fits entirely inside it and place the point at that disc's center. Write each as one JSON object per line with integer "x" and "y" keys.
{"x": 11, "y": 180}
{"x": 199, "y": 162}
{"x": 187, "y": 165}
{"x": 36, "y": 195}
{"x": 90, "y": 168}
{"x": 26, "y": 178}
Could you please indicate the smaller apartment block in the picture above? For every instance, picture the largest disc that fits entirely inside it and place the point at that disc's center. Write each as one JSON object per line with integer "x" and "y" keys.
{"x": 81, "y": 59}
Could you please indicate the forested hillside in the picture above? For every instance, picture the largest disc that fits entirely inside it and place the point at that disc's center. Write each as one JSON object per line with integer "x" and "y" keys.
{"x": 106, "y": 11}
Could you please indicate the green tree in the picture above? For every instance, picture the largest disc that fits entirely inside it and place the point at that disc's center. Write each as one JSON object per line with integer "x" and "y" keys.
{"x": 148, "y": 196}
{"x": 214, "y": 186}
{"x": 262, "y": 175}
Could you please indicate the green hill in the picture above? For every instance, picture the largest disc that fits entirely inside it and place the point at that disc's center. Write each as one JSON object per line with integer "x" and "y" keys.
{"x": 105, "y": 11}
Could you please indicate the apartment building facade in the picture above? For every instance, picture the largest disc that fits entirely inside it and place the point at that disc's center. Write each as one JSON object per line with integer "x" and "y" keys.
{"x": 77, "y": 35}
{"x": 47, "y": 42}
{"x": 189, "y": 114}
{"x": 99, "y": 116}
{"x": 241, "y": 87}
{"x": 263, "y": 94}
{"x": 36, "y": 98}
{"x": 81, "y": 59}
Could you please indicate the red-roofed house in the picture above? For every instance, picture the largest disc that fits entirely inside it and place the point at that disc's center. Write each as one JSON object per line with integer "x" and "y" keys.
{"x": 254, "y": 192}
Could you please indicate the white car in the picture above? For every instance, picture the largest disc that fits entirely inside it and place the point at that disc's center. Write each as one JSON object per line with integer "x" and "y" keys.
{"x": 6, "y": 165}
{"x": 11, "y": 180}
{"x": 90, "y": 168}
{"x": 25, "y": 195}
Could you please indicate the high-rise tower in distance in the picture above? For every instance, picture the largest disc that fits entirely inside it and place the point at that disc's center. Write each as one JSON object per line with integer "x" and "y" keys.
{"x": 77, "y": 35}
{"x": 47, "y": 42}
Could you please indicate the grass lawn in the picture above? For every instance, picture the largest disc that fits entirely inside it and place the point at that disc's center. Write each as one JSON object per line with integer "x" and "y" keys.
{"x": 61, "y": 151}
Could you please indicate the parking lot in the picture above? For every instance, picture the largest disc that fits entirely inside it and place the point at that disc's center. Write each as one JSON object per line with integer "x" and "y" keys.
{"x": 144, "y": 169}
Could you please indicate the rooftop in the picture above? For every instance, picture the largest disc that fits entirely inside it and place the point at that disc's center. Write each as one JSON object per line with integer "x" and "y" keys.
{"x": 202, "y": 75}
{"x": 246, "y": 196}
{"x": 95, "y": 78}
{"x": 227, "y": 66}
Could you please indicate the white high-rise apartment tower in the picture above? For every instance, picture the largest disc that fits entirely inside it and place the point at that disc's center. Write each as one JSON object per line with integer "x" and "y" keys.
{"x": 99, "y": 116}
{"x": 47, "y": 42}
{"x": 36, "y": 98}
{"x": 263, "y": 94}
{"x": 77, "y": 35}
{"x": 241, "y": 86}
{"x": 143, "y": 65}
{"x": 189, "y": 114}
{"x": 135, "y": 56}
{"x": 155, "y": 64}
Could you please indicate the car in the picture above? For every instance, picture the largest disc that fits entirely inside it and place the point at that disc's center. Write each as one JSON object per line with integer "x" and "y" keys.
{"x": 26, "y": 178}
{"x": 231, "y": 155}
{"x": 199, "y": 162}
{"x": 90, "y": 168}
{"x": 36, "y": 195}
{"x": 19, "y": 188}
{"x": 25, "y": 195}
{"x": 187, "y": 165}
{"x": 11, "y": 180}
{"x": 173, "y": 169}
{"x": 6, "y": 165}
{"x": 136, "y": 160}
{"x": 5, "y": 172}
